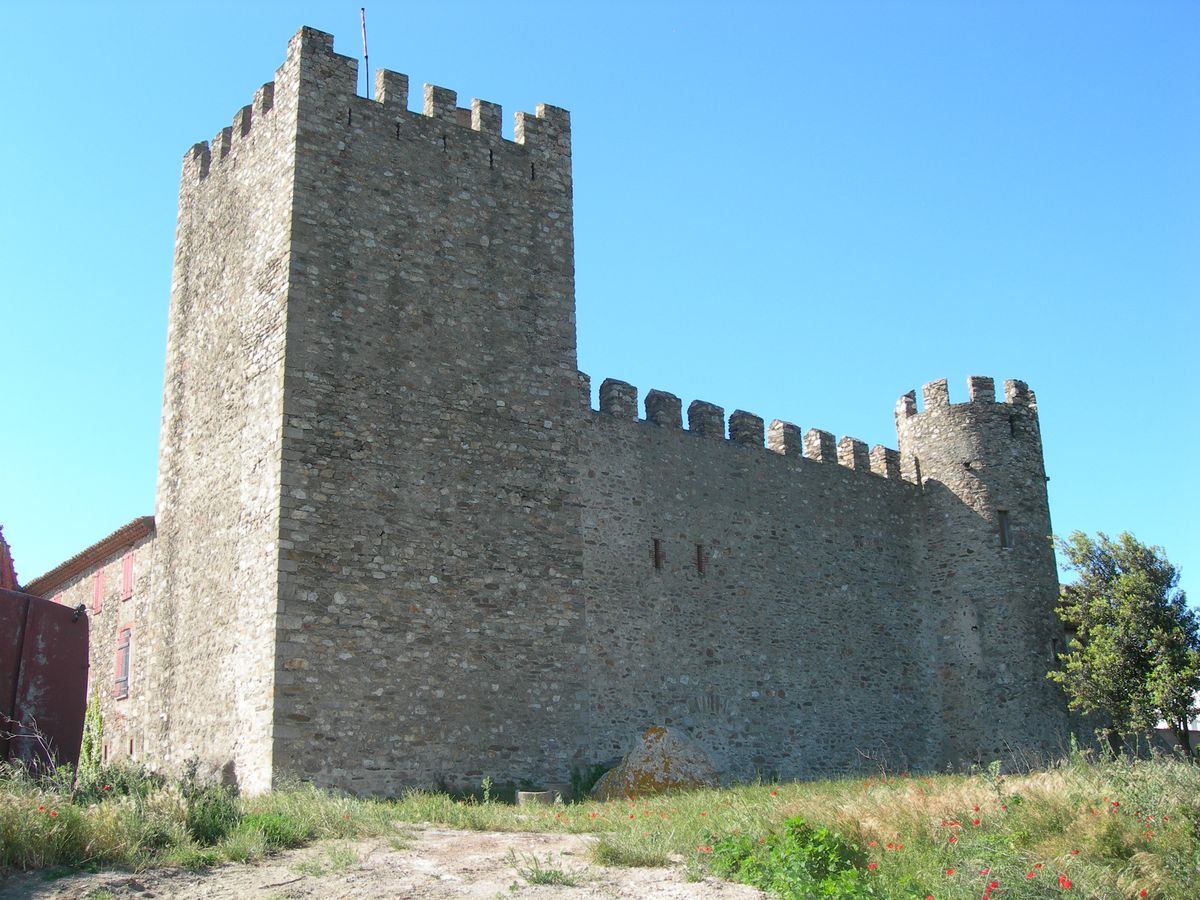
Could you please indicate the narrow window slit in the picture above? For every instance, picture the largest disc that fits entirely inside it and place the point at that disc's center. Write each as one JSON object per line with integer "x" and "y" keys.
{"x": 397, "y": 131}
{"x": 532, "y": 172}
{"x": 349, "y": 116}
{"x": 1005, "y": 524}
{"x": 701, "y": 559}
{"x": 656, "y": 553}
{"x": 1012, "y": 425}
{"x": 491, "y": 159}
{"x": 445, "y": 142}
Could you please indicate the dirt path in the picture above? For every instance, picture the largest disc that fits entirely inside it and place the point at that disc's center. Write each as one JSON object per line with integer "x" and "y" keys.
{"x": 431, "y": 863}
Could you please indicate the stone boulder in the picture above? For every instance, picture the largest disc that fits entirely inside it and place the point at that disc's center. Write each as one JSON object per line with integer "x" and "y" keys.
{"x": 664, "y": 759}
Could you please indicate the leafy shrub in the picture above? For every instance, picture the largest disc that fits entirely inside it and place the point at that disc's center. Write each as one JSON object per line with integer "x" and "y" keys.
{"x": 801, "y": 861}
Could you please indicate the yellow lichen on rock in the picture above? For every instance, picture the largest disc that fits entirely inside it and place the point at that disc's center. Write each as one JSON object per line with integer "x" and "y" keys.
{"x": 663, "y": 759}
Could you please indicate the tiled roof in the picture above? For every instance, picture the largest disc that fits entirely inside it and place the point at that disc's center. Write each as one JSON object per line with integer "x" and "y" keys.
{"x": 125, "y": 536}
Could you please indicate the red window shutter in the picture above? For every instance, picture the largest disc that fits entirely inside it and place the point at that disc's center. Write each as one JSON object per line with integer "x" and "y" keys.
{"x": 98, "y": 591}
{"x": 127, "y": 576}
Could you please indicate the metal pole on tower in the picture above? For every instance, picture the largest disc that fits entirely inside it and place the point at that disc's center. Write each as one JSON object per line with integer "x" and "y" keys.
{"x": 362, "y": 15}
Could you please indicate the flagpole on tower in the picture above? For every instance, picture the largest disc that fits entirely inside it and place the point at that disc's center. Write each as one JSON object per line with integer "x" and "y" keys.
{"x": 362, "y": 15}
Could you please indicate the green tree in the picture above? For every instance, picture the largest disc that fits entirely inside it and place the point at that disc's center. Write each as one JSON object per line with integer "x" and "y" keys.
{"x": 1134, "y": 657}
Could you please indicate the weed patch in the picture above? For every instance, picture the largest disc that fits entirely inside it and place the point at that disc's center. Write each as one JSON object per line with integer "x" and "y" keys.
{"x": 534, "y": 871}
{"x": 799, "y": 861}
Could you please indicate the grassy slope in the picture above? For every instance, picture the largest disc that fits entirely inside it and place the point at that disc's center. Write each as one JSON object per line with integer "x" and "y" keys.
{"x": 1111, "y": 829}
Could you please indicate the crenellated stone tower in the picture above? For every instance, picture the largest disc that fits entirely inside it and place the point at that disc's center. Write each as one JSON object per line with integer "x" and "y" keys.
{"x": 396, "y": 545}
{"x": 988, "y": 563}
{"x": 371, "y": 367}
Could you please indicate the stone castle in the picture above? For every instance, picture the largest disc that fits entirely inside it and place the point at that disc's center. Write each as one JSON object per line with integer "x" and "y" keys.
{"x": 394, "y": 544}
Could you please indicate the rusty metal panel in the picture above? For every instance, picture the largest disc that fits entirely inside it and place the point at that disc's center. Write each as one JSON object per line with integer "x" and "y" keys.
{"x": 49, "y": 689}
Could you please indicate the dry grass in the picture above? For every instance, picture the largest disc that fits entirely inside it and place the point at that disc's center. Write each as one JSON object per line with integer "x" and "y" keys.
{"x": 1112, "y": 829}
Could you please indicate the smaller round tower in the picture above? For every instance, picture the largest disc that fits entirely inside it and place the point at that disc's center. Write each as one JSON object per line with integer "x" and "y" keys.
{"x": 989, "y": 579}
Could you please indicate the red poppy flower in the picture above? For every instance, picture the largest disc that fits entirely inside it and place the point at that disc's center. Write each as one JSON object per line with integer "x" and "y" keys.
{"x": 891, "y": 846}
{"x": 1142, "y": 892}
{"x": 1037, "y": 865}
{"x": 984, "y": 870}
{"x": 1074, "y": 852}
{"x": 871, "y": 843}
{"x": 953, "y": 839}
{"x": 976, "y": 808}
{"x": 705, "y": 849}
{"x": 899, "y": 846}
{"x": 949, "y": 871}
{"x": 41, "y": 809}
{"x": 108, "y": 787}
{"x": 1064, "y": 882}
{"x": 703, "y": 813}
{"x": 974, "y": 821}
{"x": 54, "y": 812}
{"x": 871, "y": 867}
{"x": 1029, "y": 874}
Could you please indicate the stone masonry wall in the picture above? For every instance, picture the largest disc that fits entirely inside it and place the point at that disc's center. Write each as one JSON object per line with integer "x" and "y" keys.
{"x": 432, "y": 615}
{"x": 125, "y": 719}
{"x": 216, "y": 576}
{"x": 996, "y": 634}
{"x": 777, "y": 621}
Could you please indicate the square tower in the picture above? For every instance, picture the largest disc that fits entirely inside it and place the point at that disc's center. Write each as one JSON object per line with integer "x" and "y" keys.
{"x": 369, "y": 565}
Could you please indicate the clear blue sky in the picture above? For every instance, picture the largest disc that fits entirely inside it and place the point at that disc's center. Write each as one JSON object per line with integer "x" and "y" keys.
{"x": 799, "y": 209}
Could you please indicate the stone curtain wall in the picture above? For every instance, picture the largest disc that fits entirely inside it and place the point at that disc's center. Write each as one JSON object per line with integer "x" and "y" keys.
{"x": 794, "y": 651}
{"x": 816, "y": 613}
{"x": 216, "y": 578}
{"x": 432, "y": 615}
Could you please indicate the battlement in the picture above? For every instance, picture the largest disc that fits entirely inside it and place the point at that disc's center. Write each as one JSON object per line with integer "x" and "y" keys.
{"x": 619, "y": 399}
{"x": 312, "y": 65}
{"x": 981, "y": 390}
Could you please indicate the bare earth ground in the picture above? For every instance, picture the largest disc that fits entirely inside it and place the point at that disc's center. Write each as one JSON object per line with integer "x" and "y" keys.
{"x": 429, "y": 863}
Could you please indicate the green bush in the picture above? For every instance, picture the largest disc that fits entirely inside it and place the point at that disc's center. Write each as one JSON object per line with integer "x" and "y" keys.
{"x": 800, "y": 861}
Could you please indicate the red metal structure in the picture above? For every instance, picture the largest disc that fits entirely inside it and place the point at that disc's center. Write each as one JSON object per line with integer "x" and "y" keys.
{"x": 43, "y": 679}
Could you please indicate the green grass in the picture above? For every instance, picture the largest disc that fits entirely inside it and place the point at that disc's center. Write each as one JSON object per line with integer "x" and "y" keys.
{"x": 1112, "y": 829}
